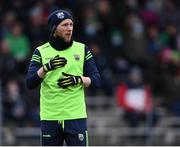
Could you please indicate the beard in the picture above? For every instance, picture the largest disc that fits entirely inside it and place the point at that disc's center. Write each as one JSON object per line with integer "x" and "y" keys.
{"x": 66, "y": 38}
{"x": 59, "y": 42}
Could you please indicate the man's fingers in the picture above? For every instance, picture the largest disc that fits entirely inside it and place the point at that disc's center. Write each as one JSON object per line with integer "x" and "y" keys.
{"x": 59, "y": 60}
{"x": 58, "y": 63}
{"x": 64, "y": 82}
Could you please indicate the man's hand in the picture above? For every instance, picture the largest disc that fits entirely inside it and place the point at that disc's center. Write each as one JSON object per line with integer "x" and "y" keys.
{"x": 69, "y": 80}
{"x": 55, "y": 63}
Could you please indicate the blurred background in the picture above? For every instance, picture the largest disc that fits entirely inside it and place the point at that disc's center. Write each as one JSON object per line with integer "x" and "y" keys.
{"x": 136, "y": 45}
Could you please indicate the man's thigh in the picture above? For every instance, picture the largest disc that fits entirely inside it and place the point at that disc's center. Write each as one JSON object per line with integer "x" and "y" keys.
{"x": 51, "y": 133}
{"x": 76, "y": 132}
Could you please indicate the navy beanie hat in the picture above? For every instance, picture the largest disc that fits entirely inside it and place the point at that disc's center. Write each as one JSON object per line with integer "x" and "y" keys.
{"x": 57, "y": 17}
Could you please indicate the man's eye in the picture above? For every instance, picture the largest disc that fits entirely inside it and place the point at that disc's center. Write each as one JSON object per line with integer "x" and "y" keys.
{"x": 65, "y": 25}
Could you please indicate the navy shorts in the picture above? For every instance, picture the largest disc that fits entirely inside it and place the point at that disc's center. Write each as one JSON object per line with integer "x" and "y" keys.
{"x": 67, "y": 132}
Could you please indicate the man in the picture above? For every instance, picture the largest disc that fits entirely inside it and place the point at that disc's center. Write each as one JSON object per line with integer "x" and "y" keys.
{"x": 63, "y": 67}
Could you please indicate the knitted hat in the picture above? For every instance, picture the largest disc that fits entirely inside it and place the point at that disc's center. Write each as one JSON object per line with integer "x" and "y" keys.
{"x": 56, "y": 17}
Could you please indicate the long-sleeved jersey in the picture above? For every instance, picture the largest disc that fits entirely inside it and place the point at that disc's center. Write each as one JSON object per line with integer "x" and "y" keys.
{"x": 90, "y": 70}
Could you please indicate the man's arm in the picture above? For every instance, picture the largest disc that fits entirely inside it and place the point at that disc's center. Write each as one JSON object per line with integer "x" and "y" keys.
{"x": 86, "y": 81}
{"x": 91, "y": 75}
{"x": 35, "y": 72}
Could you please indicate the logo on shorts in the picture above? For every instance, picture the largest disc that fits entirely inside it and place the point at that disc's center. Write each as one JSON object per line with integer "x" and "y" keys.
{"x": 81, "y": 137}
{"x": 46, "y": 135}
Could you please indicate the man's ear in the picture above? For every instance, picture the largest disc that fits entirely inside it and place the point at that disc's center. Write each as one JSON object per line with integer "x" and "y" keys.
{"x": 55, "y": 33}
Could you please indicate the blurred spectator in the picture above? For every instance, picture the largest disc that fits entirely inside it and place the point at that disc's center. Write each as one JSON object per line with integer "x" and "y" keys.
{"x": 104, "y": 15}
{"x": 135, "y": 42}
{"x": 8, "y": 20}
{"x": 170, "y": 13}
{"x": 14, "y": 105}
{"x": 168, "y": 37}
{"x": 37, "y": 20}
{"x": 131, "y": 5}
{"x": 135, "y": 98}
{"x": 49, "y": 7}
{"x": 19, "y": 45}
{"x": 149, "y": 15}
{"x": 171, "y": 92}
{"x": 105, "y": 71}
{"x": 91, "y": 22}
{"x": 120, "y": 68}
{"x": 154, "y": 47}
{"x": 154, "y": 44}
{"x": 8, "y": 64}
{"x": 19, "y": 8}
{"x": 154, "y": 5}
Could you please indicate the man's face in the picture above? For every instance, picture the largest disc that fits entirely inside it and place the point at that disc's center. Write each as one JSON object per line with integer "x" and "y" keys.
{"x": 64, "y": 30}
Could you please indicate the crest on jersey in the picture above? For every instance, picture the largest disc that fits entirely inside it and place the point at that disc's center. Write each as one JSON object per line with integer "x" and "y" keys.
{"x": 76, "y": 57}
{"x": 60, "y": 15}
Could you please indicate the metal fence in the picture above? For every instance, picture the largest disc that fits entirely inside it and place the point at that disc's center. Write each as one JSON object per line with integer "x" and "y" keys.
{"x": 107, "y": 127}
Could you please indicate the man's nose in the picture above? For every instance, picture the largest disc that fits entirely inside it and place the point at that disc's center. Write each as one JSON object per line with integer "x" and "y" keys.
{"x": 69, "y": 27}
